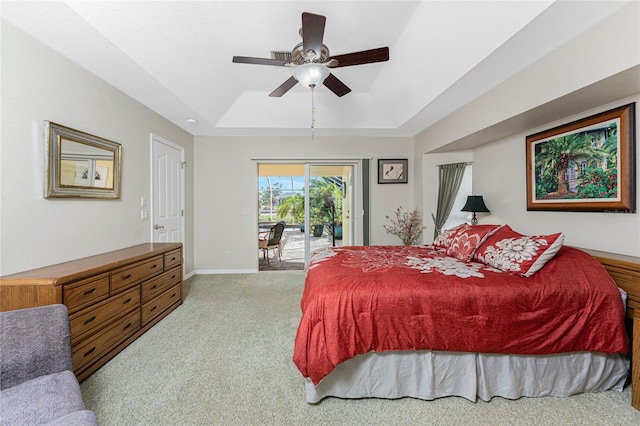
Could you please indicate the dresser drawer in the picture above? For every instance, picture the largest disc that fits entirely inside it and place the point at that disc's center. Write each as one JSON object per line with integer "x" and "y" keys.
{"x": 95, "y": 316}
{"x": 155, "y": 306}
{"x": 133, "y": 274}
{"x": 172, "y": 259}
{"x": 85, "y": 292}
{"x": 157, "y": 285}
{"x": 105, "y": 340}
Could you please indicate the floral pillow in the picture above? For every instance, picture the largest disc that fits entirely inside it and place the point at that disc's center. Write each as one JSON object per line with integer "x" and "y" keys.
{"x": 444, "y": 239}
{"x": 519, "y": 254}
{"x": 467, "y": 240}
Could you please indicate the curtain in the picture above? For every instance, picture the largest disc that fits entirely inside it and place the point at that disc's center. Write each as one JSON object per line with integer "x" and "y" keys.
{"x": 450, "y": 178}
{"x": 365, "y": 202}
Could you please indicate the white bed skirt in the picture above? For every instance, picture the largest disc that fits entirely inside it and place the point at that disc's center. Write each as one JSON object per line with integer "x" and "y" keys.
{"x": 433, "y": 374}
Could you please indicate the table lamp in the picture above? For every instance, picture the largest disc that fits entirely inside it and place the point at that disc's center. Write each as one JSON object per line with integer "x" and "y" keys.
{"x": 474, "y": 204}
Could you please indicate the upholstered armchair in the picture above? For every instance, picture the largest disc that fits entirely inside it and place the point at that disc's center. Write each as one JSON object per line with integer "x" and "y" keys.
{"x": 37, "y": 384}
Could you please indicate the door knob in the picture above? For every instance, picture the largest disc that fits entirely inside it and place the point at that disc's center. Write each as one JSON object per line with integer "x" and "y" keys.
{"x": 158, "y": 227}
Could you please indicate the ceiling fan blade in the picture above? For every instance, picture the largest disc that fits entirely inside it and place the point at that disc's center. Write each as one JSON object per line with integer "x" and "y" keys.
{"x": 359, "y": 58}
{"x": 335, "y": 85}
{"x": 312, "y": 34}
{"x": 284, "y": 88}
{"x": 259, "y": 61}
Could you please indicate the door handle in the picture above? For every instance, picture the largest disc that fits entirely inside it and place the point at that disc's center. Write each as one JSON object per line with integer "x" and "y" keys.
{"x": 158, "y": 227}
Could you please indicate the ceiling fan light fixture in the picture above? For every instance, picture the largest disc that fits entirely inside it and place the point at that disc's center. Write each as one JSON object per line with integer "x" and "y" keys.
{"x": 311, "y": 74}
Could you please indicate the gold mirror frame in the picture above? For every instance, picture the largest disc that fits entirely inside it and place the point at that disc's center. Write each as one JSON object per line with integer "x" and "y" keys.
{"x": 80, "y": 165}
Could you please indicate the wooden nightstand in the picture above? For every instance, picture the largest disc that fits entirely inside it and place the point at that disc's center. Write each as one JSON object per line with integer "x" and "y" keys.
{"x": 635, "y": 366}
{"x": 625, "y": 271}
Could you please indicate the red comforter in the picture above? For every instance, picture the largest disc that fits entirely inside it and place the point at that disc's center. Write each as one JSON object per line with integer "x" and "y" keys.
{"x": 381, "y": 298}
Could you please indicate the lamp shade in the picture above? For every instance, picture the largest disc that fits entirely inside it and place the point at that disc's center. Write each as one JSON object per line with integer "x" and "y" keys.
{"x": 310, "y": 74}
{"x": 475, "y": 203}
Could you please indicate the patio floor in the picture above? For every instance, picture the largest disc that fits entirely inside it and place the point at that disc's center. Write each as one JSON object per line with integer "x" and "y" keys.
{"x": 293, "y": 251}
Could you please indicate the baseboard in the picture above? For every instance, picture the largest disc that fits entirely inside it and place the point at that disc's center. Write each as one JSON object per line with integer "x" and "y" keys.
{"x": 225, "y": 271}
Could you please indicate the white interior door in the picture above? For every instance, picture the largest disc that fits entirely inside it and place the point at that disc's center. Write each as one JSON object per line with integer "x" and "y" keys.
{"x": 167, "y": 204}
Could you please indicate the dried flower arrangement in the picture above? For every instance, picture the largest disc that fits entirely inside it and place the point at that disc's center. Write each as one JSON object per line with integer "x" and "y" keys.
{"x": 407, "y": 226}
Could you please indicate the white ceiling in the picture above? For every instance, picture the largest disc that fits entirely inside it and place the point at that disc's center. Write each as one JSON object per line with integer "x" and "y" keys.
{"x": 175, "y": 56}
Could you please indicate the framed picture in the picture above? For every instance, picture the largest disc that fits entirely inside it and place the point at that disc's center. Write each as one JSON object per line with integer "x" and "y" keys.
{"x": 393, "y": 171}
{"x": 586, "y": 165}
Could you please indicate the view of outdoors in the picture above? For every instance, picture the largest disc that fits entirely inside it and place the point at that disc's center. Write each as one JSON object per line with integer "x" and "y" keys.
{"x": 282, "y": 198}
{"x": 272, "y": 190}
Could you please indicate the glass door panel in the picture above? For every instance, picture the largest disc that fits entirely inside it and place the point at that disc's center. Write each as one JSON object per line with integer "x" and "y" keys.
{"x": 329, "y": 206}
{"x": 281, "y": 198}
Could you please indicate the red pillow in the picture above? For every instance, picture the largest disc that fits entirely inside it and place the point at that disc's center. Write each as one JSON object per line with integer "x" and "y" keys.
{"x": 444, "y": 239}
{"x": 467, "y": 240}
{"x": 519, "y": 254}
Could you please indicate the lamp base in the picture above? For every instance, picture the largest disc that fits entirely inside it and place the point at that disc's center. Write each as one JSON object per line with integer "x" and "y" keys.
{"x": 474, "y": 219}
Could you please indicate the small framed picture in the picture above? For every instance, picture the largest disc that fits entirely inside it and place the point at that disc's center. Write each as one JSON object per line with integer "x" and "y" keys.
{"x": 393, "y": 171}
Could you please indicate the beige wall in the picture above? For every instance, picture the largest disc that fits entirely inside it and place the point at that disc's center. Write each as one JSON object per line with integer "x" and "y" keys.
{"x": 611, "y": 47}
{"x": 499, "y": 175}
{"x": 568, "y": 84}
{"x": 39, "y": 84}
{"x": 227, "y": 183}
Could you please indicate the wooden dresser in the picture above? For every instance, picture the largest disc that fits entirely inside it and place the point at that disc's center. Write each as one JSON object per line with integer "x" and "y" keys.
{"x": 625, "y": 271}
{"x": 112, "y": 298}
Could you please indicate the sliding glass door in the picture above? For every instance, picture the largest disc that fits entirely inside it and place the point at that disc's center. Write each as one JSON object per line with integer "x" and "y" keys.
{"x": 317, "y": 201}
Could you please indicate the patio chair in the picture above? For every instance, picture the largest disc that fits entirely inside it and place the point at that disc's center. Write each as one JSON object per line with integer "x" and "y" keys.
{"x": 271, "y": 240}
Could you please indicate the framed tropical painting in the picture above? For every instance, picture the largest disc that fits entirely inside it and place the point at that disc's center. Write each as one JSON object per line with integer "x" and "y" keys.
{"x": 586, "y": 165}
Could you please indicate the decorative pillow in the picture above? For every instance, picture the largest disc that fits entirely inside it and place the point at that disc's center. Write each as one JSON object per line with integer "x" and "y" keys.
{"x": 444, "y": 239}
{"x": 467, "y": 240}
{"x": 519, "y": 254}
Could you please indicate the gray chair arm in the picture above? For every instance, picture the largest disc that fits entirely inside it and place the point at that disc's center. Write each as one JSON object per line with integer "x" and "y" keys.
{"x": 34, "y": 342}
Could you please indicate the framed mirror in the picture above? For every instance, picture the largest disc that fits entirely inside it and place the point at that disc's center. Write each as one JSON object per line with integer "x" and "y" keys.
{"x": 80, "y": 165}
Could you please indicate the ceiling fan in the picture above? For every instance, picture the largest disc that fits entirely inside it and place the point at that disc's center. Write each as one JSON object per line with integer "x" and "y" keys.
{"x": 311, "y": 59}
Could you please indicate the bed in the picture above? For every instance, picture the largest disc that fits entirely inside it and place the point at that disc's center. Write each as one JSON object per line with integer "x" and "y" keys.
{"x": 483, "y": 312}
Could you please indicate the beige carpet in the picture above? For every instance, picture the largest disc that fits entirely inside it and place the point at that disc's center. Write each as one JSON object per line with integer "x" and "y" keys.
{"x": 224, "y": 358}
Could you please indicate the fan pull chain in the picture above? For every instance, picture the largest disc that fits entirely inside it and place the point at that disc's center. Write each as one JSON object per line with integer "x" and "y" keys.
{"x": 313, "y": 112}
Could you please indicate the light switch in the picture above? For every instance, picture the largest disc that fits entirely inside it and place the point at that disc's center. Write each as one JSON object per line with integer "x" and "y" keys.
{"x": 143, "y": 201}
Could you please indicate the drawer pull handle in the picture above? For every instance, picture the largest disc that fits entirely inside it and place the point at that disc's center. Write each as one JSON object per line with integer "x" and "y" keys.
{"x": 90, "y": 351}
{"x": 173, "y": 295}
{"x": 154, "y": 286}
{"x": 154, "y": 266}
{"x": 88, "y": 292}
{"x": 126, "y": 326}
{"x": 126, "y": 277}
{"x": 173, "y": 276}
{"x": 153, "y": 309}
{"x": 90, "y": 320}
{"x": 173, "y": 258}
{"x": 126, "y": 301}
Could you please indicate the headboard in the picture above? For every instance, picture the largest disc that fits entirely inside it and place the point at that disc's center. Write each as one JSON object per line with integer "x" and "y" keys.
{"x": 625, "y": 271}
